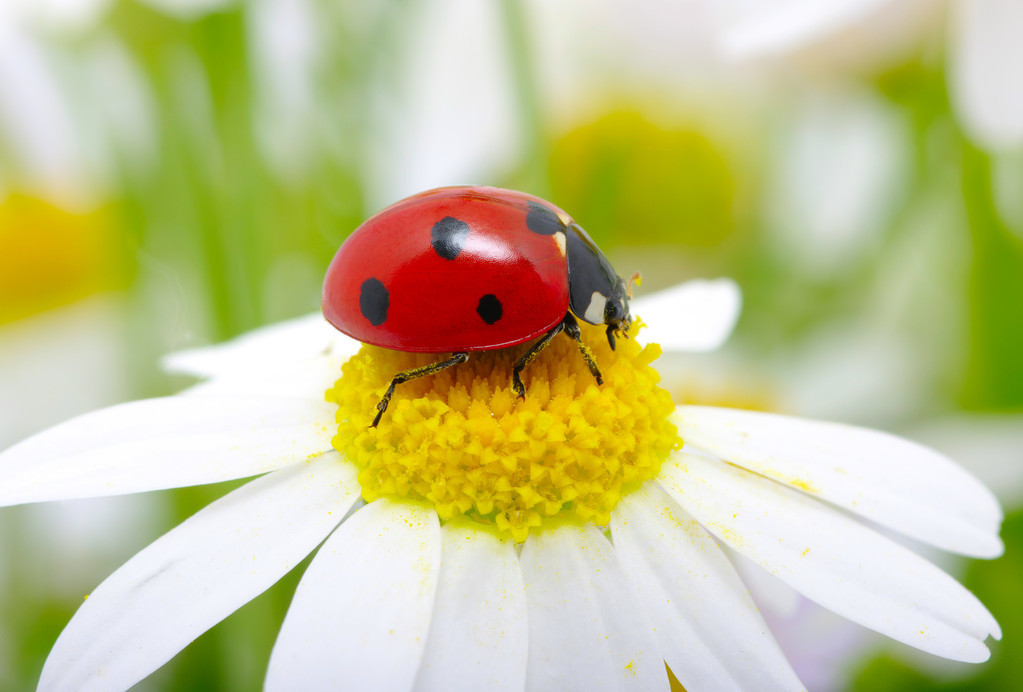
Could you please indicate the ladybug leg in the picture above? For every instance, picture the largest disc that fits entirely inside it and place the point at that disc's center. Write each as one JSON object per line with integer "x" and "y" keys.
{"x": 616, "y": 330}
{"x": 572, "y": 329}
{"x": 611, "y": 328}
{"x": 431, "y": 369}
{"x": 530, "y": 355}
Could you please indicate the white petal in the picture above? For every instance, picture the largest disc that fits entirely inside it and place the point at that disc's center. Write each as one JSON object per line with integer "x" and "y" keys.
{"x": 775, "y": 27}
{"x": 832, "y": 559}
{"x": 478, "y": 636}
{"x": 308, "y": 378}
{"x": 198, "y": 574}
{"x": 889, "y": 480}
{"x": 164, "y": 443}
{"x": 987, "y": 69}
{"x": 711, "y": 633}
{"x": 361, "y": 614}
{"x": 586, "y": 629}
{"x": 694, "y": 316}
{"x": 297, "y": 339}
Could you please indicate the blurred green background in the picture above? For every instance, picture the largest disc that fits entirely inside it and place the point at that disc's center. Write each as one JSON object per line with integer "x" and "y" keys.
{"x": 176, "y": 172}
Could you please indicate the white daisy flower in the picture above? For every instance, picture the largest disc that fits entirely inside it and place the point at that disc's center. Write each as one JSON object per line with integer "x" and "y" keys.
{"x": 985, "y": 55}
{"x": 564, "y": 541}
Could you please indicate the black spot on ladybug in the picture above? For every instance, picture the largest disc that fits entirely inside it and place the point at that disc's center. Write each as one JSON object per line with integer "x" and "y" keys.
{"x": 490, "y": 308}
{"x": 374, "y": 300}
{"x": 448, "y": 237}
{"x": 543, "y": 220}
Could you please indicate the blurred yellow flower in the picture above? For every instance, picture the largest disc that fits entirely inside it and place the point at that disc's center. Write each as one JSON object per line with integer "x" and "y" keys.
{"x": 646, "y": 182}
{"x": 51, "y": 256}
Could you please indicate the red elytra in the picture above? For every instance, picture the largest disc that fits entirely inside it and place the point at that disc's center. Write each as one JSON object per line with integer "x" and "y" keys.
{"x": 451, "y": 270}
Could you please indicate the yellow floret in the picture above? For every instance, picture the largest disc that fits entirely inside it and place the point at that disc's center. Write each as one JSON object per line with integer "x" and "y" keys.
{"x": 463, "y": 441}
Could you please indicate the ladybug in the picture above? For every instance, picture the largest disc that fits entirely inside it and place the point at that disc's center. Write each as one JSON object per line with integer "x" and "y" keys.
{"x": 462, "y": 269}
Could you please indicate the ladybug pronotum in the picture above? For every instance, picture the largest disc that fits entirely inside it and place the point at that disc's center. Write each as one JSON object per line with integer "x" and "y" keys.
{"x": 462, "y": 269}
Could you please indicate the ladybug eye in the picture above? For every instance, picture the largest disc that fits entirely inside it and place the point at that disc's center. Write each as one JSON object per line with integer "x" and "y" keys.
{"x": 614, "y": 310}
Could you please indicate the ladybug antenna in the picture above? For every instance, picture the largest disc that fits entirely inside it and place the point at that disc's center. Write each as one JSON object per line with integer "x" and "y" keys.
{"x": 634, "y": 279}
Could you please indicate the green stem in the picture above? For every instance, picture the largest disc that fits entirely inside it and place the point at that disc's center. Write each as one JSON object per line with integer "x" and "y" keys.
{"x": 994, "y": 368}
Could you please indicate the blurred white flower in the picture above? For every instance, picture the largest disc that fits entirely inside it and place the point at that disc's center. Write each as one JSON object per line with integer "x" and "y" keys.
{"x": 984, "y": 51}
{"x": 36, "y": 120}
{"x": 992, "y": 442}
{"x": 452, "y": 115}
{"x": 189, "y": 9}
{"x": 69, "y": 119}
{"x": 60, "y": 15}
{"x": 40, "y": 355}
{"x": 659, "y": 53}
{"x": 987, "y": 70}
{"x": 838, "y": 165}
{"x": 285, "y": 52}
{"x": 840, "y": 34}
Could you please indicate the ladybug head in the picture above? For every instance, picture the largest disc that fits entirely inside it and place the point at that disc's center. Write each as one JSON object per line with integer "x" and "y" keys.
{"x": 616, "y": 312}
{"x": 597, "y": 294}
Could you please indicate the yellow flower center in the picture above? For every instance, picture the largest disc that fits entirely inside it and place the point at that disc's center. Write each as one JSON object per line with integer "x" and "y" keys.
{"x": 462, "y": 441}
